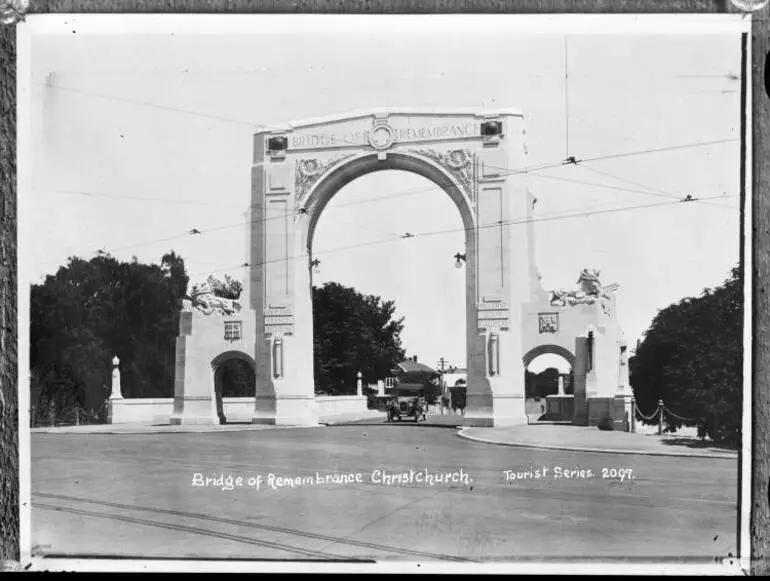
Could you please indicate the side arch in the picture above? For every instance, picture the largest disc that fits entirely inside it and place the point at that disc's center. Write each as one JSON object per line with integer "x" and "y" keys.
{"x": 549, "y": 350}
{"x": 234, "y": 354}
{"x": 217, "y": 369}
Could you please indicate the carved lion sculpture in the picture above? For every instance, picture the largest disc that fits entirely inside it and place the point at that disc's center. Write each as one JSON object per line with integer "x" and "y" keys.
{"x": 201, "y": 298}
{"x": 587, "y": 291}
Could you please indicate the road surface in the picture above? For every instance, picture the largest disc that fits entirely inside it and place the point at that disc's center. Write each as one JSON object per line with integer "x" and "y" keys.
{"x": 134, "y": 496}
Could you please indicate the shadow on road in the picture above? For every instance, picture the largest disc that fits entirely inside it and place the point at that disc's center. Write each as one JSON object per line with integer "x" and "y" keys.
{"x": 431, "y": 422}
{"x": 699, "y": 444}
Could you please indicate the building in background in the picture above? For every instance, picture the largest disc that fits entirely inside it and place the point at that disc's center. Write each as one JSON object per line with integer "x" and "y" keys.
{"x": 410, "y": 377}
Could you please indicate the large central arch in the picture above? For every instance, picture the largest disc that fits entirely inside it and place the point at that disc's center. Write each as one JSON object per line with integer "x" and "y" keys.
{"x": 297, "y": 169}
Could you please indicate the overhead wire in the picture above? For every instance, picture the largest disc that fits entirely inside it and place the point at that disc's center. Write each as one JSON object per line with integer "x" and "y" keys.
{"x": 634, "y": 183}
{"x": 457, "y": 230}
{"x": 529, "y": 170}
{"x": 436, "y": 186}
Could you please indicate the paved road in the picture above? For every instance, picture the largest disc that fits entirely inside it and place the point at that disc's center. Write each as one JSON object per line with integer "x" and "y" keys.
{"x": 132, "y": 495}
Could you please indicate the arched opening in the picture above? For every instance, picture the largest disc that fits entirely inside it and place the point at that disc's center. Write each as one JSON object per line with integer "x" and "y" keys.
{"x": 234, "y": 376}
{"x": 387, "y": 228}
{"x": 548, "y": 371}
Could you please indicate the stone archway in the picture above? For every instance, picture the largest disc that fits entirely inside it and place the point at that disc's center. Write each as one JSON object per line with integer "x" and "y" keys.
{"x": 297, "y": 169}
{"x": 535, "y": 352}
{"x": 218, "y": 366}
{"x": 548, "y": 349}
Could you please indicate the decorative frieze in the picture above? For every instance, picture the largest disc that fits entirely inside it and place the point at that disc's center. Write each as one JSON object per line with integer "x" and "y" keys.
{"x": 308, "y": 170}
{"x": 460, "y": 163}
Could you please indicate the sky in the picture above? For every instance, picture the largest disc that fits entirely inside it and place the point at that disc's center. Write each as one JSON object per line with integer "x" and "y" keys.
{"x": 139, "y": 138}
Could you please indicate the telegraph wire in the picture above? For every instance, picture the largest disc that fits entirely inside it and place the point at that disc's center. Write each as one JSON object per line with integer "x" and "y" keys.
{"x": 437, "y": 186}
{"x": 633, "y": 183}
{"x": 132, "y": 198}
{"x": 622, "y": 189}
{"x": 657, "y": 150}
{"x": 151, "y": 105}
{"x": 501, "y": 223}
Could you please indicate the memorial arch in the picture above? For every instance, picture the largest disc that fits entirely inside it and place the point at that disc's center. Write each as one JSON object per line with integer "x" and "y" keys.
{"x": 473, "y": 156}
{"x": 297, "y": 169}
{"x": 477, "y": 158}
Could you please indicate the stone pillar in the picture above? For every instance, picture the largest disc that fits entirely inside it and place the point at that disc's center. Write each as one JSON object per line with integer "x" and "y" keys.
{"x": 499, "y": 282}
{"x": 580, "y": 413}
{"x": 246, "y": 292}
{"x": 280, "y": 289}
{"x": 194, "y": 395}
{"x": 623, "y": 404}
{"x": 116, "y": 397}
{"x": 623, "y": 374}
{"x": 116, "y": 393}
{"x": 380, "y": 387}
{"x": 359, "y": 385}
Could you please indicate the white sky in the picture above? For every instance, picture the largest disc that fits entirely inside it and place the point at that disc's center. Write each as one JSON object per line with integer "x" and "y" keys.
{"x": 170, "y": 118}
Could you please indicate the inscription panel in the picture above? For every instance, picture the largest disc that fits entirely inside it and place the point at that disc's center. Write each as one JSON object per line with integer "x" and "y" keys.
{"x": 279, "y": 329}
{"x": 370, "y": 132}
{"x": 501, "y": 324}
{"x": 493, "y": 306}
{"x": 279, "y": 320}
{"x": 278, "y": 311}
{"x": 501, "y": 314}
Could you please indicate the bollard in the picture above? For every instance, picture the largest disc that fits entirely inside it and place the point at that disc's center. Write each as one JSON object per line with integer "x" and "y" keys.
{"x": 77, "y": 416}
{"x": 52, "y": 414}
{"x": 660, "y": 417}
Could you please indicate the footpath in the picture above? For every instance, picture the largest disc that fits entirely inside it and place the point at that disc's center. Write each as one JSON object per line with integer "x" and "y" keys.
{"x": 591, "y": 439}
{"x": 547, "y": 436}
{"x": 160, "y": 428}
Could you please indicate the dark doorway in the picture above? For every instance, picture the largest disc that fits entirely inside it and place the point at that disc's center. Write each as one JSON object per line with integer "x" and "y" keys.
{"x": 233, "y": 377}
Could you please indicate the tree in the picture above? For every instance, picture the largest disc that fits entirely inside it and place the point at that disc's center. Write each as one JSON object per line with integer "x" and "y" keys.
{"x": 353, "y": 332}
{"x": 90, "y": 311}
{"x": 692, "y": 358}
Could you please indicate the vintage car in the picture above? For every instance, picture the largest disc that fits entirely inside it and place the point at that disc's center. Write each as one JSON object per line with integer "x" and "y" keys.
{"x": 406, "y": 407}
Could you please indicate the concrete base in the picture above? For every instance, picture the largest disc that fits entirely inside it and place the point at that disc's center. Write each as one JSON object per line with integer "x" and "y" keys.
{"x": 559, "y": 407}
{"x": 295, "y": 411}
{"x": 194, "y": 410}
{"x": 580, "y": 416}
{"x": 234, "y": 409}
{"x": 621, "y": 413}
{"x": 496, "y": 412}
{"x": 599, "y": 412}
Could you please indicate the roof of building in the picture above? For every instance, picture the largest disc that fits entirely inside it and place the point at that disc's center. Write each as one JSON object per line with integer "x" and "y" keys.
{"x": 409, "y": 387}
{"x": 410, "y": 366}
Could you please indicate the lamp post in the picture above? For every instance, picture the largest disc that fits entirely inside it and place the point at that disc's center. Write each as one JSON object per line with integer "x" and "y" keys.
{"x": 459, "y": 260}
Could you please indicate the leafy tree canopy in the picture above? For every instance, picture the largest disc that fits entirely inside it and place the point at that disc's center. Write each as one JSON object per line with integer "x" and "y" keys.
{"x": 692, "y": 358}
{"x": 91, "y": 310}
{"x": 353, "y": 332}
